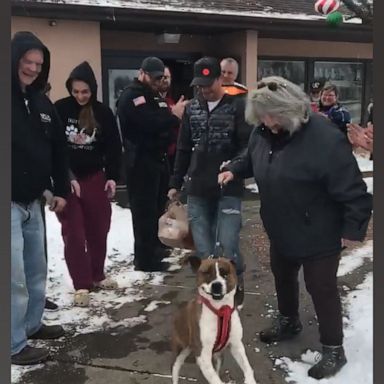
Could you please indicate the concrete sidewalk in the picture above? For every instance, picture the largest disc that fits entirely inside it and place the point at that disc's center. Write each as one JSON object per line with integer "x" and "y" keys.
{"x": 141, "y": 354}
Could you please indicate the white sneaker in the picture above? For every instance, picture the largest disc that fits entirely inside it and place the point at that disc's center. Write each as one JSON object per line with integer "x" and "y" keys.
{"x": 81, "y": 298}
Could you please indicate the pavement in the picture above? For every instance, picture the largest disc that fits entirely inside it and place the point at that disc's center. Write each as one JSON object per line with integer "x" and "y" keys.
{"x": 141, "y": 354}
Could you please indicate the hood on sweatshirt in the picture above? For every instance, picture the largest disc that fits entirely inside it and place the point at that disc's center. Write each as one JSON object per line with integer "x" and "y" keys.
{"x": 21, "y": 43}
{"x": 83, "y": 72}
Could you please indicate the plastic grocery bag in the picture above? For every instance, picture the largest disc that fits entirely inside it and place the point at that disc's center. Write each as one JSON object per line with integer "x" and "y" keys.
{"x": 174, "y": 228}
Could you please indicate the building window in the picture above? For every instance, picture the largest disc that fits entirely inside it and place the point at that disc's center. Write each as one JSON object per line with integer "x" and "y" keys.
{"x": 118, "y": 80}
{"x": 348, "y": 77}
{"x": 291, "y": 70}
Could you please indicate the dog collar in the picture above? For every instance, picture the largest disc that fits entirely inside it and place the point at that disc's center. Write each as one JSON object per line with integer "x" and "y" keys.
{"x": 223, "y": 314}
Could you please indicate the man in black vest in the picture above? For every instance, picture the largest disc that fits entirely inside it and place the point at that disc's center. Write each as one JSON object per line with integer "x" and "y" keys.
{"x": 213, "y": 131}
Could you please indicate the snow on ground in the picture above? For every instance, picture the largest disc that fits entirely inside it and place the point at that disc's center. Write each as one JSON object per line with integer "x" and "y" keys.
{"x": 358, "y": 344}
{"x": 364, "y": 163}
{"x": 354, "y": 259}
{"x": 369, "y": 182}
{"x": 119, "y": 266}
{"x": 358, "y": 334}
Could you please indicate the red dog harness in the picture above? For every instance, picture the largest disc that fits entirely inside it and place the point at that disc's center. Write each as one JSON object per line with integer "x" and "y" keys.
{"x": 223, "y": 323}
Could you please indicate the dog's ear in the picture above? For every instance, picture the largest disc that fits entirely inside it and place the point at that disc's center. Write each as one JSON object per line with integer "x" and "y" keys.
{"x": 233, "y": 264}
{"x": 194, "y": 262}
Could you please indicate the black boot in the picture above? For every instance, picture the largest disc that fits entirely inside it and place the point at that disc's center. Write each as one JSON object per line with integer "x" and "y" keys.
{"x": 50, "y": 305}
{"x": 30, "y": 355}
{"x": 332, "y": 360}
{"x": 284, "y": 328}
{"x": 48, "y": 332}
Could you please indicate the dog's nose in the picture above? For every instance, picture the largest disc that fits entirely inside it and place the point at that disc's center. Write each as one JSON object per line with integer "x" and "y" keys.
{"x": 216, "y": 288}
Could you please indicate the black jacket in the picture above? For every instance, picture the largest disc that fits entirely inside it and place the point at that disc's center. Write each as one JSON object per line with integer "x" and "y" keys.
{"x": 89, "y": 154}
{"x": 206, "y": 140}
{"x": 38, "y": 143}
{"x": 145, "y": 120}
{"x": 338, "y": 114}
{"x": 311, "y": 189}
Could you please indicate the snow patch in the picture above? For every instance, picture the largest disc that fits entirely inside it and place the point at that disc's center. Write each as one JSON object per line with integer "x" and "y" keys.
{"x": 358, "y": 344}
{"x": 354, "y": 259}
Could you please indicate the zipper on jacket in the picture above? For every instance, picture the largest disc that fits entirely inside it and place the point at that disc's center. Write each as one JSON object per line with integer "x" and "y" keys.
{"x": 270, "y": 154}
{"x": 26, "y": 102}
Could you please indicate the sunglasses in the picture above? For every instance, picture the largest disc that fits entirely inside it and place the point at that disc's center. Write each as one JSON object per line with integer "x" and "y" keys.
{"x": 272, "y": 86}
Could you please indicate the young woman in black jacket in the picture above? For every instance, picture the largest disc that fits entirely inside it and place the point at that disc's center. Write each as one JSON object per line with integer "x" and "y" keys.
{"x": 94, "y": 147}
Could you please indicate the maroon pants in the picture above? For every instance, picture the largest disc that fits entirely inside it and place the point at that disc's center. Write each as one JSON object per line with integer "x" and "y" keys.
{"x": 85, "y": 224}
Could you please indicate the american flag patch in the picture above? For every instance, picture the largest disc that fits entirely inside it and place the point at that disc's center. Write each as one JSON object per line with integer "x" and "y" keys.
{"x": 139, "y": 100}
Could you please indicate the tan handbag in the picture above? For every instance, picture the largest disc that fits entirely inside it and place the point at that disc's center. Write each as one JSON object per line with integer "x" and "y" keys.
{"x": 174, "y": 228}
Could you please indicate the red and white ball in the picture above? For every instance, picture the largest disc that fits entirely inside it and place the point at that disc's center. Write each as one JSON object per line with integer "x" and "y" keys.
{"x": 325, "y": 7}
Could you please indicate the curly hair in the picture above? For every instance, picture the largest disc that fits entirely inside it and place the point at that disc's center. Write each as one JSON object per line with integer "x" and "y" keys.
{"x": 280, "y": 99}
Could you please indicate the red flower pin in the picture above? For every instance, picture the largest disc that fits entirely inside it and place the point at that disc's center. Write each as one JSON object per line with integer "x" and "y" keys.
{"x": 206, "y": 71}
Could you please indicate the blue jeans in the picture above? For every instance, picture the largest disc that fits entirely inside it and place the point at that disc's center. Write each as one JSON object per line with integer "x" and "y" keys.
{"x": 215, "y": 225}
{"x": 28, "y": 272}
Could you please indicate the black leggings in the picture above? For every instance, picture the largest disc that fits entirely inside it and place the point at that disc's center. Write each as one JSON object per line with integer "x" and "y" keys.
{"x": 320, "y": 278}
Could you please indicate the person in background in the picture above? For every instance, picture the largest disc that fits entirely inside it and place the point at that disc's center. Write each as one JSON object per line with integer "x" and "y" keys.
{"x": 95, "y": 156}
{"x": 229, "y": 72}
{"x": 38, "y": 158}
{"x": 164, "y": 92}
{"x": 361, "y": 137}
{"x": 314, "y": 202}
{"x": 314, "y": 93}
{"x": 330, "y": 107}
{"x": 147, "y": 124}
{"x": 213, "y": 131}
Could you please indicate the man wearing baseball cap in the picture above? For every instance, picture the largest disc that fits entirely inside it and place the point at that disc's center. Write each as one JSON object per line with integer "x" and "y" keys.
{"x": 213, "y": 131}
{"x": 314, "y": 93}
{"x": 146, "y": 123}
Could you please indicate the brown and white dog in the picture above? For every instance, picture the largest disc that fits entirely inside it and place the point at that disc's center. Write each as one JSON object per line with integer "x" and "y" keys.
{"x": 210, "y": 322}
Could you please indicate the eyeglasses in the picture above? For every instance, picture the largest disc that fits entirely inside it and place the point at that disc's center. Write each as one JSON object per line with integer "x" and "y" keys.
{"x": 329, "y": 95}
{"x": 272, "y": 86}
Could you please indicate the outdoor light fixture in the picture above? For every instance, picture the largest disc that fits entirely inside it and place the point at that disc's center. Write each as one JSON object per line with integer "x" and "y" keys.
{"x": 168, "y": 38}
{"x": 52, "y": 23}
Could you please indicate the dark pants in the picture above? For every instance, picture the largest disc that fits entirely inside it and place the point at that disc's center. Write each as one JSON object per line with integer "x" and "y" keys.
{"x": 320, "y": 278}
{"x": 147, "y": 192}
{"x": 85, "y": 224}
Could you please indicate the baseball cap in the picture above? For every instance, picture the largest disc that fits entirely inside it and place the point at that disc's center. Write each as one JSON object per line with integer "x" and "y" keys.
{"x": 317, "y": 85}
{"x": 206, "y": 71}
{"x": 153, "y": 66}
